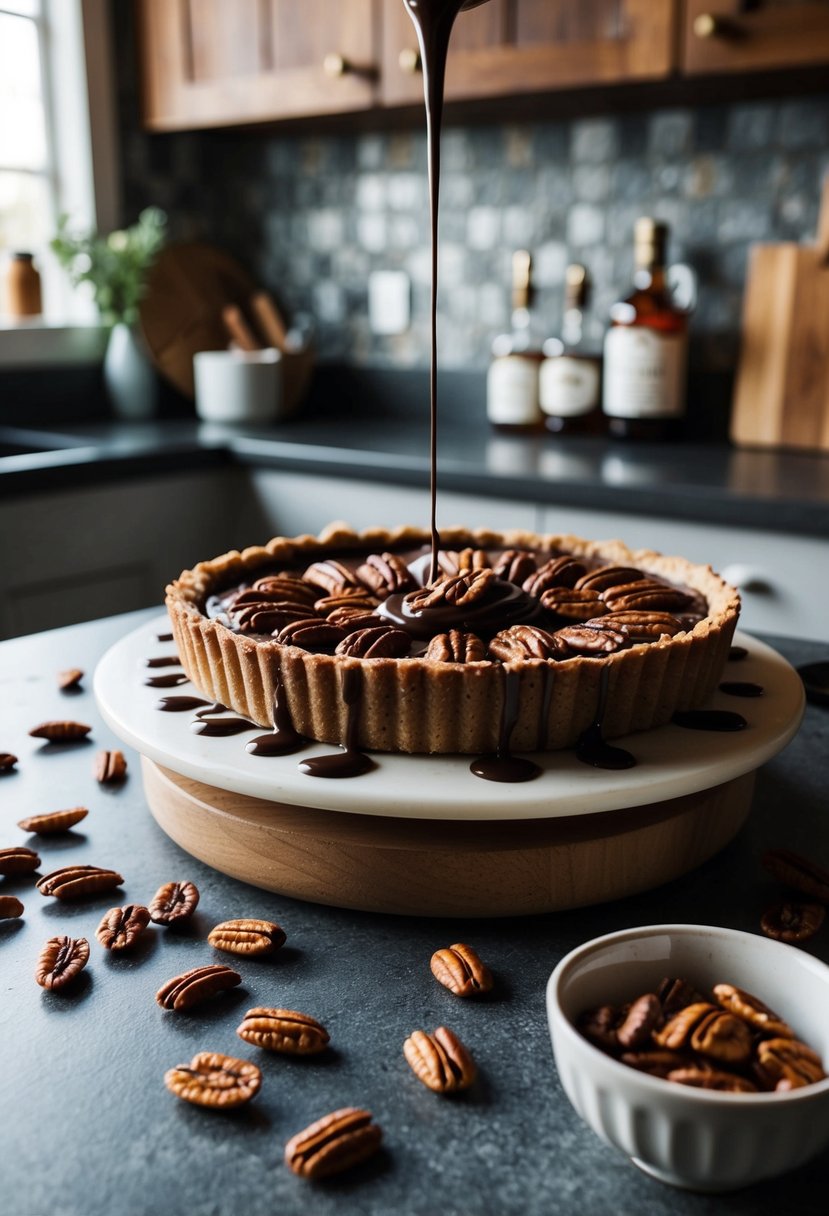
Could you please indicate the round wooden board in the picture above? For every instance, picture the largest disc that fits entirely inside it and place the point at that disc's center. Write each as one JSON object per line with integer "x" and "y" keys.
{"x": 445, "y": 868}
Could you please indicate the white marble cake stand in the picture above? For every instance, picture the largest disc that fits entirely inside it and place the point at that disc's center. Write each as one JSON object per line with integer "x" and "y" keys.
{"x": 422, "y": 834}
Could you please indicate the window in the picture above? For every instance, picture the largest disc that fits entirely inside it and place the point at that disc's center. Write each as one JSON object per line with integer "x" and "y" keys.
{"x": 57, "y": 142}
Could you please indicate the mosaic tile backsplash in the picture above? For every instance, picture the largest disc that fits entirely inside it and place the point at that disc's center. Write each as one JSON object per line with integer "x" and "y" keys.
{"x": 312, "y": 217}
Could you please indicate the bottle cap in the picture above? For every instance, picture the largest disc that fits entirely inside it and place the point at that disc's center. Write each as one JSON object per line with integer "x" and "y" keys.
{"x": 521, "y": 279}
{"x": 650, "y": 239}
{"x": 575, "y": 286}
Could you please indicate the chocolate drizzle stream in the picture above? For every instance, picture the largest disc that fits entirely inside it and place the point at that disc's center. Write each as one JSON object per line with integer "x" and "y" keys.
{"x": 503, "y": 766}
{"x": 592, "y": 747}
{"x": 737, "y": 653}
{"x": 350, "y": 762}
{"x": 283, "y": 739}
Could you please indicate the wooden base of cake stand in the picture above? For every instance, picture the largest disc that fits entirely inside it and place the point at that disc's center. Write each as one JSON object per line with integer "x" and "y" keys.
{"x": 428, "y": 867}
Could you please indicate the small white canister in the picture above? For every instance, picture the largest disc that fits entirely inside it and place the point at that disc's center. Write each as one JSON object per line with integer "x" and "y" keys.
{"x": 236, "y": 386}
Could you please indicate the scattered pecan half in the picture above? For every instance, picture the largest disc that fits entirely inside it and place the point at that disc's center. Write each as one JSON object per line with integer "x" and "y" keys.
{"x": 558, "y": 572}
{"x": 386, "y": 574}
{"x": 792, "y": 922}
{"x": 110, "y": 767}
{"x": 120, "y": 928}
{"x": 62, "y": 731}
{"x": 608, "y": 576}
{"x": 213, "y": 1079}
{"x": 173, "y": 903}
{"x": 334, "y": 1143}
{"x": 440, "y": 1060}
{"x": 74, "y": 882}
{"x": 17, "y": 859}
{"x": 312, "y": 634}
{"x": 572, "y": 604}
{"x": 250, "y": 937}
{"x": 70, "y": 678}
{"x": 678, "y": 1030}
{"x": 10, "y": 907}
{"x": 527, "y": 642}
{"x": 723, "y": 1037}
{"x": 377, "y": 642}
{"x": 643, "y": 1016}
{"x": 61, "y": 959}
{"x": 789, "y": 1060}
{"x": 800, "y": 873}
{"x": 283, "y": 1030}
{"x": 7, "y": 762}
{"x": 199, "y": 984}
{"x": 712, "y": 1078}
{"x": 658, "y": 1063}
{"x": 752, "y": 1010}
{"x": 460, "y": 970}
{"x": 456, "y": 646}
{"x": 54, "y": 821}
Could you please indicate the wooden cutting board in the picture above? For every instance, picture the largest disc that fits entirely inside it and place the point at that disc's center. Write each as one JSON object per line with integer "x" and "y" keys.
{"x": 781, "y": 396}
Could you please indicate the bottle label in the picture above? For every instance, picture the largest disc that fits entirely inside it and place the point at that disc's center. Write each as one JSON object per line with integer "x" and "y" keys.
{"x": 512, "y": 391}
{"x": 644, "y": 373}
{"x": 568, "y": 387}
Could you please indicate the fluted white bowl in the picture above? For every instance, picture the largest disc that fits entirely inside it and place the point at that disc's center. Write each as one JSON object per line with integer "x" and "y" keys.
{"x": 695, "y": 1138}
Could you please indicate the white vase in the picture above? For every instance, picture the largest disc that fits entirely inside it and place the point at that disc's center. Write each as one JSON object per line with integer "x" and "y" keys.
{"x": 129, "y": 377}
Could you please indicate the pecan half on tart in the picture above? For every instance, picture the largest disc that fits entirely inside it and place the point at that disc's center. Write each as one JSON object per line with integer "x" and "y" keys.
{"x": 542, "y": 628}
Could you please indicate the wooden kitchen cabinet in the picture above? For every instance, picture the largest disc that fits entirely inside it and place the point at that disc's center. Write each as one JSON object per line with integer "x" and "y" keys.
{"x": 508, "y": 47}
{"x": 733, "y": 36}
{"x": 212, "y": 63}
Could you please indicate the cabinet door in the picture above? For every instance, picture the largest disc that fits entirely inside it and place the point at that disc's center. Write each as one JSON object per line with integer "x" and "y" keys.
{"x": 532, "y": 46}
{"x": 208, "y": 63}
{"x": 733, "y": 36}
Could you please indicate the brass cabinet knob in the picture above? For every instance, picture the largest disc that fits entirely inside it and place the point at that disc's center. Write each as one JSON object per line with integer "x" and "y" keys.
{"x": 709, "y": 25}
{"x": 409, "y": 60}
{"x": 335, "y": 64}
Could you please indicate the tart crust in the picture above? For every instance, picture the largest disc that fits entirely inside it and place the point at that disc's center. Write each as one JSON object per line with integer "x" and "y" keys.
{"x": 415, "y": 705}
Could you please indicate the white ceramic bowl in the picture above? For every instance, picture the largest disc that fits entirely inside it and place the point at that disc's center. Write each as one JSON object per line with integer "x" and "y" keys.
{"x": 701, "y": 1139}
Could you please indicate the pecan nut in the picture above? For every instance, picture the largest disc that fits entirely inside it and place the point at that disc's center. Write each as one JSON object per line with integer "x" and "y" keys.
{"x": 18, "y": 860}
{"x": 722, "y": 1036}
{"x": 527, "y": 642}
{"x": 456, "y": 646}
{"x": 459, "y": 590}
{"x": 251, "y": 937}
{"x": 386, "y": 574}
{"x": 61, "y": 959}
{"x": 331, "y": 575}
{"x": 515, "y": 566}
{"x": 199, "y": 984}
{"x": 572, "y": 604}
{"x": 173, "y": 903}
{"x": 212, "y": 1079}
{"x": 110, "y": 767}
{"x": 800, "y": 873}
{"x": 70, "y": 678}
{"x": 7, "y": 762}
{"x": 286, "y": 587}
{"x": 10, "y": 907}
{"x": 283, "y": 1030}
{"x": 641, "y": 1019}
{"x": 270, "y": 618}
{"x": 789, "y": 1060}
{"x": 460, "y": 970}
{"x": 558, "y": 572}
{"x": 712, "y": 1078}
{"x": 377, "y": 642}
{"x": 646, "y": 595}
{"x": 658, "y": 1063}
{"x": 642, "y": 626}
{"x": 599, "y": 1027}
{"x": 74, "y": 882}
{"x": 792, "y": 922}
{"x": 54, "y": 821}
{"x": 356, "y": 598}
{"x": 440, "y": 1060}
{"x": 311, "y": 634}
{"x": 608, "y": 576}
{"x": 676, "y": 994}
{"x": 752, "y": 1010}
{"x": 62, "y": 731}
{"x": 677, "y": 1032}
{"x": 334, "y": 1143}
{"x": 591, "y": 639}
{"x": 120, "y": 928}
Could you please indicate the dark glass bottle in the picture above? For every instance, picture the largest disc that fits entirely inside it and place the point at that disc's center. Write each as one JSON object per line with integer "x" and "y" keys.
{"x": 512, "y": 379}
{"x": 569, "y": 383}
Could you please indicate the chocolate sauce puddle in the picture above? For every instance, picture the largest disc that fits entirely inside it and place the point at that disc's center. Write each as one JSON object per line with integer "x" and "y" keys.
{"x": 738, "y": 688}
{"x": 164, "y": 637}
{"x": 350, "y": 762}
{"x": 179, "y": 705}
{"x": 219, "y": 728}
{"x": 737, "y": 653}
{"x": 709, "y": 719}
{"x": 592, "y": 748}
{"x": 283, "y": 739}
{"x": 171, "y": 680}
{"x": 503, "y": 766}
{"x": 167, "y": 660}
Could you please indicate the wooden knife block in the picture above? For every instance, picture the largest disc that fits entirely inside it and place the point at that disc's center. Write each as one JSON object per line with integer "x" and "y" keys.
{"x": 781, "y": 396}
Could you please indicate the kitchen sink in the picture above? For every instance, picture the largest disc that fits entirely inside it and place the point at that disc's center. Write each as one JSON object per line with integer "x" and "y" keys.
{"x": 18, "y": 441}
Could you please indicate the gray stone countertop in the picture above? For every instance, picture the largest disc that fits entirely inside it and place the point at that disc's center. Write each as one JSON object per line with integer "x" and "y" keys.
{"x": 704, "y": 482}
{"x": 89, "y": 1128}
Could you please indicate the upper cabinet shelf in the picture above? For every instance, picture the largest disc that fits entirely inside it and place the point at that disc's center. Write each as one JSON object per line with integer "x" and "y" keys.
{"x": 210, "y": 63}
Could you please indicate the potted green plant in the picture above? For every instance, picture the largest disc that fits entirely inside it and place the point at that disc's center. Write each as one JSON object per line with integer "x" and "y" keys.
{"x": 116, "y": 265}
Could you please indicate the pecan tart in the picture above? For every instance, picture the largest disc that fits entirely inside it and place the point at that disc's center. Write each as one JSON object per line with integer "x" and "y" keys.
{"x": 545, "y": 631}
